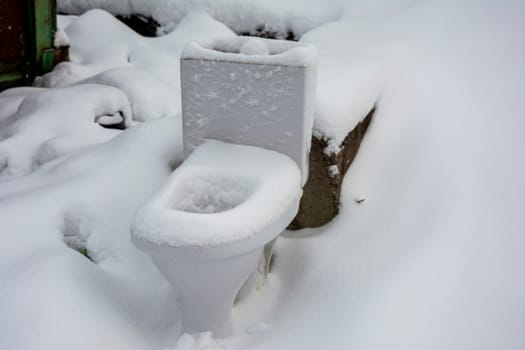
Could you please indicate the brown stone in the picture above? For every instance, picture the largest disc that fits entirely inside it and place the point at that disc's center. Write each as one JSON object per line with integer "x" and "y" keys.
{"x": 320, "y": 201}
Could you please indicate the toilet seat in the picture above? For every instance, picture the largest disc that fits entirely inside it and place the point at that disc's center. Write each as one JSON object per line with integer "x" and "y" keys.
{"x": 224, "y": 199}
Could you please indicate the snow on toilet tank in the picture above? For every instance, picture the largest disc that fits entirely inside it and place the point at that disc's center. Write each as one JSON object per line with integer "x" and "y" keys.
{"x": 254, "y": 47}
{"x": 250, "y": 91}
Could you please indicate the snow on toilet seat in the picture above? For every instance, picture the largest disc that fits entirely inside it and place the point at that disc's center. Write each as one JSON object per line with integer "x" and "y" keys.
{"x": 224, "y": 198}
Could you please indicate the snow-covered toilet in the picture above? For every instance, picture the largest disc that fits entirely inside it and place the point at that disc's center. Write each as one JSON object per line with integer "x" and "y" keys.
{"x": 247, "y": 114}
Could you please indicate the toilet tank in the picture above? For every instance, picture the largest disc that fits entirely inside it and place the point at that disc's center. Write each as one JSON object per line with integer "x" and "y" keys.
{"x": 257, "y": 92}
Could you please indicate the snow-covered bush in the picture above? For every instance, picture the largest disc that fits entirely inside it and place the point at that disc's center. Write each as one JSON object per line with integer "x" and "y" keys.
{"x": 276, "y": 18}
{"x": 52, "y": 122}
{"x": 145, "y": 69}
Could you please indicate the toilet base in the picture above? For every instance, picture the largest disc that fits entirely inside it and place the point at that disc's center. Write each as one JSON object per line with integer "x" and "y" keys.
{"x": 206, "y": 288}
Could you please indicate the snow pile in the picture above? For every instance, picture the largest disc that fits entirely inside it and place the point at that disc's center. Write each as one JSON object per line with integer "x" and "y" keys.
{"x": 248, "y": 16}
{"x": 85, "y": 201}
{"x": 240, "y": 189}
{"x": 145, "y": 69}
{"x": 150, "y": 97}
{"x": 52, "y": 122}
{"x": 432, "y": 259}
{"x": 61, "y": 39}
{"x": 352, "y": 72}
{"x": 197, "y": 342}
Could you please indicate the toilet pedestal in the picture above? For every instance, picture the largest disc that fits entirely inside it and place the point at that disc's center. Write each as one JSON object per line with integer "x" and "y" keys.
{"x": 195, "y": 278}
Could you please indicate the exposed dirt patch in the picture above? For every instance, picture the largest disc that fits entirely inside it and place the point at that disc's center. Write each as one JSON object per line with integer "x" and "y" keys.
{"x": 320, "y": 201}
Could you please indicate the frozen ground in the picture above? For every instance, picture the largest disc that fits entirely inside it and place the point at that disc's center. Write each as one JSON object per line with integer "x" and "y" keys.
{"x": 431, "y": 259}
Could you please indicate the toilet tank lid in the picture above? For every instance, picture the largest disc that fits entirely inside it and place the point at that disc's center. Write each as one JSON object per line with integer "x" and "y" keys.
{"x": 279, "y": 52}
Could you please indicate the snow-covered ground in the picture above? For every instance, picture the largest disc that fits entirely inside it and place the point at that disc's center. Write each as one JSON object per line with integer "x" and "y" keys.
{"x": 431, "y": 259}
{"x": 273, "y": 16}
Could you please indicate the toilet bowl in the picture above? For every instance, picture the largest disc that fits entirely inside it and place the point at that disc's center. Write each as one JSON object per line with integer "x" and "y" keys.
{"x": 247, "y": 112}
{"x": 205, "y": 229}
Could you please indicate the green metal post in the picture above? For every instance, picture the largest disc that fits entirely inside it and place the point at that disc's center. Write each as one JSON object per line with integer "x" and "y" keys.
{"x": 44, "y": 27}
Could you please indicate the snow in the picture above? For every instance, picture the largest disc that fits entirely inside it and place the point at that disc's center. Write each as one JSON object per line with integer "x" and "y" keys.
{"x": 42, "y": 129}
{"x": 151, "y": 99}
{"x": 345, "y": 93}
{"x": 228, "y": 183}
{"x": 52, "y": 296}
{"x": 350, "y": 81}
{"x": 145, "y": 69}
{"x": 280, "y": 52}
{"x": 199, "y": 341}
{"x": 61, "y": 39}
{"x": 432, "y": 260}
{"x": 64, "y": 20}
{"x": 254, "y": 47}
{"x": 333, "y": 170}
{"x": 274, "y": 16}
